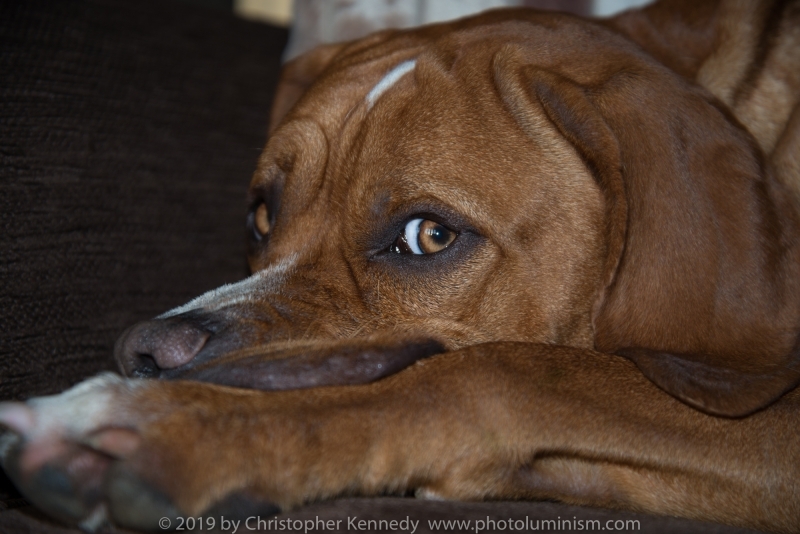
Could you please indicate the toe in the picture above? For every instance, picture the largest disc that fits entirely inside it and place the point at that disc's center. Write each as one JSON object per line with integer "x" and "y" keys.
{"x": 17, "y": 417}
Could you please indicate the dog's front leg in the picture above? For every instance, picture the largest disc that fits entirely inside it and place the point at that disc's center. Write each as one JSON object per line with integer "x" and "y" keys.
{"x": 500, "y": 421}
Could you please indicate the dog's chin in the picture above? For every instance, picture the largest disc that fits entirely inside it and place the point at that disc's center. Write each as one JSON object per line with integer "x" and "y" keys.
{"x": 308, "y": 364}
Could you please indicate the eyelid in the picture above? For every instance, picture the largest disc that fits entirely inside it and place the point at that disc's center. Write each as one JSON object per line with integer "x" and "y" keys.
{"x": 412, "y": 235}
{"x": 394, "y": 221}
{"x": 269, "y": 193}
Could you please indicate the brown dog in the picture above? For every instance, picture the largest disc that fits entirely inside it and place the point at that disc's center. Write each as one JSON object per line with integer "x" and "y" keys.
{"x": 482, "y": 214}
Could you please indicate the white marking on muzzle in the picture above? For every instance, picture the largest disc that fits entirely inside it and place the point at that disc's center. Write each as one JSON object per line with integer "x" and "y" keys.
{"x": 391, "y": 78}
{"x": 250, "y": 289}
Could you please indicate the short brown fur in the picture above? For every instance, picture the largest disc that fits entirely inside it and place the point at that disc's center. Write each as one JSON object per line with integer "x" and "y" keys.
{"x": 626, "y": 187}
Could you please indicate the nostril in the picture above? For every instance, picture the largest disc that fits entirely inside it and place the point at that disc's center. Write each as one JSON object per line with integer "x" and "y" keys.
{"x": 146, "y": 367}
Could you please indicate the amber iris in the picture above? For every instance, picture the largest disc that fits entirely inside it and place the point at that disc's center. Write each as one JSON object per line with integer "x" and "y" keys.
{"x": 423, "y": 236}
{"x": 261, "y": 220}
{"x": 434, "y": 237}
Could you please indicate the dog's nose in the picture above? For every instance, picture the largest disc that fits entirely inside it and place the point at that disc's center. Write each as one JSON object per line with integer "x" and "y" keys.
{"x": 147, "y": 348}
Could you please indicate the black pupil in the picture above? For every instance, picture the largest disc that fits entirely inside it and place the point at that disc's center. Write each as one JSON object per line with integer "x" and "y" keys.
{"x": 438, "y": 234}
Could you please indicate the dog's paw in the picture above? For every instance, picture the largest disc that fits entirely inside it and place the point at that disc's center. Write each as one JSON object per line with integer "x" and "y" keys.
{"x": 99, "y": 453}
{"x": 66, "y": 453}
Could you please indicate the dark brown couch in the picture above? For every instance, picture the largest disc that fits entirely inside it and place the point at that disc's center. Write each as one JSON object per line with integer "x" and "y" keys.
{"x": 128, "y": 132}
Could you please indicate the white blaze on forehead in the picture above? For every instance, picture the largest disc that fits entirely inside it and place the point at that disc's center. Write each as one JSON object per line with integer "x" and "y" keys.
{"x": 250, "y": 289}
{"x": 391, "y": 78}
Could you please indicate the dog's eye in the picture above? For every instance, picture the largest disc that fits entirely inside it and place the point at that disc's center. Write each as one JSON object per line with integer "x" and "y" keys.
{"x": 423, "y": 236}
{"x": 261, "y": 220}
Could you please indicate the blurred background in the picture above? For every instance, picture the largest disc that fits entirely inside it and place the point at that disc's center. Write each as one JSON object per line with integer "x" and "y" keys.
{"x": 315, "y": 22}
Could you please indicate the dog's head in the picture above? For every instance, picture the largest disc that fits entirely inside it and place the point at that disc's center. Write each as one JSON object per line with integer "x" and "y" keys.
{"x": 513, "y": 177}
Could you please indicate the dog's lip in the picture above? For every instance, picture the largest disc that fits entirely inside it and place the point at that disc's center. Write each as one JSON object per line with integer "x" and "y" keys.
{"x": 308, "y": 365}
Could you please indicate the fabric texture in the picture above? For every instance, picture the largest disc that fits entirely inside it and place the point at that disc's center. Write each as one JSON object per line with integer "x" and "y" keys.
{"x": 128, "y": 133}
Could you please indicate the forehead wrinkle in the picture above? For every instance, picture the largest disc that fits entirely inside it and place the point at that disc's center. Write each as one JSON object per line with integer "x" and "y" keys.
{"x": 301, "y": 157}
{"x": 399, "y": 176}
{"x": 394, "y": 195}
{"x": 392, "y": 166}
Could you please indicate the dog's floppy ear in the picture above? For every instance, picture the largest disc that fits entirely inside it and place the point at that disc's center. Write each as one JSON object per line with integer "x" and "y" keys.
{"x": 697, "y": 232}
{"x": 540, "y": 99}
{"x": 704, "y": 298}
{"x": 297, "y": 76}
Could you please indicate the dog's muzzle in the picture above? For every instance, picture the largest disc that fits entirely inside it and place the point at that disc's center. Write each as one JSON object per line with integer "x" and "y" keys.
{"x": 214, "y": 348}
